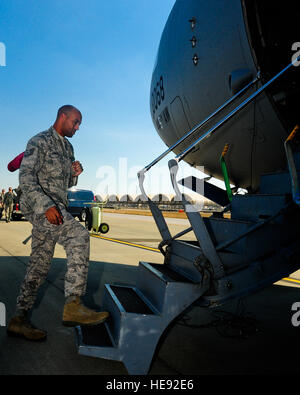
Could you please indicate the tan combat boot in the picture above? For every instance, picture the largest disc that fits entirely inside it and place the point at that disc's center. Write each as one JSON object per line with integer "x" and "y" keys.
{"x": 20, "y": 326}
{"x": 76, "y": 314}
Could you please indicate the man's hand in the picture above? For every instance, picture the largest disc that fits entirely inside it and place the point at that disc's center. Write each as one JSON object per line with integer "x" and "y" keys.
{"x": 54, "y": 216}
{"x": 77, "y": 168}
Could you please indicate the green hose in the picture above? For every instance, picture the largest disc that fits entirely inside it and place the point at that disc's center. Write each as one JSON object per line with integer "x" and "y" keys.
{"x": 225, "y": 172}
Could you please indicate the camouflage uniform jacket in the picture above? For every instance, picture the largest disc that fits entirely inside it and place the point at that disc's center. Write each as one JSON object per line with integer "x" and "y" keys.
{"x": 45, "y": 172}
{"x": 8, "y": 198}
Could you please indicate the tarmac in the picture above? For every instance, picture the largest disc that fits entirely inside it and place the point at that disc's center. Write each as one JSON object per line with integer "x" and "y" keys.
{"x": 252, "y": 336}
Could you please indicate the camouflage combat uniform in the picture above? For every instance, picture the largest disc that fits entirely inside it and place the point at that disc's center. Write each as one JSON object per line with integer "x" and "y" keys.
{"x": 45, "y": 176}
{"x": 8, "y": 201}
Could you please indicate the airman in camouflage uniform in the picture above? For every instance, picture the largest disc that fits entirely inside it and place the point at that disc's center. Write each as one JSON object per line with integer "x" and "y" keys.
{"x": 8, "y": 201}
{"x": 48, "y": 169}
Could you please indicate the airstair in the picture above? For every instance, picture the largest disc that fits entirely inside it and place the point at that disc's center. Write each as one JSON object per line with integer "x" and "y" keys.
{"x": 231, "y": 257}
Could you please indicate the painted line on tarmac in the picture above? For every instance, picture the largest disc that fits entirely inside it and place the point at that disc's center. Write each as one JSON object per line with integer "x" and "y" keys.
{"x": 125, "y": 243}
{"x": 291, "y": 280}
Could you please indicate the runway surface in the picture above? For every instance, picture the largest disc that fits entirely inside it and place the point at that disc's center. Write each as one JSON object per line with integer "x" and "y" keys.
{"x": 203, "y": 342}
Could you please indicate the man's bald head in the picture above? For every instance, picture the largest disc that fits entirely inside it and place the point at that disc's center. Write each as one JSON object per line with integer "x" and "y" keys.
{"x": 68, "y": 120}
{"x": 67, "y": 109}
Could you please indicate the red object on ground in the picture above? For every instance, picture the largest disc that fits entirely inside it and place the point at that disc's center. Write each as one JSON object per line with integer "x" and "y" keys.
{"x": 15, "y": 163}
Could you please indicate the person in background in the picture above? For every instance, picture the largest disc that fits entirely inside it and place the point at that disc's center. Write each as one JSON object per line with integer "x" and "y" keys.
{"x": 1, "y": 202}
{"x": 8, "y": 202}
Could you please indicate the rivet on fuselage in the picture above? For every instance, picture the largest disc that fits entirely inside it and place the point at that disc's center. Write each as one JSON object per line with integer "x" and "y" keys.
{"x": 193, "y": 40}
{"x": 193, "y": 23}
{"x": 195, "y": 59}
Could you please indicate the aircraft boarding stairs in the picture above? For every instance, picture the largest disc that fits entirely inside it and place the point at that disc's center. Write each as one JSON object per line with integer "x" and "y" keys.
{"x": 256, "y": 247}
{"x": 231, "y": 257}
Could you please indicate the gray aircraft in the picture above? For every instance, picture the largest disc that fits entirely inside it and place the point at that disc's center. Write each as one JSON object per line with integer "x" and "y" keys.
{"x": 224, "y": 96}
{"x": 209, "y": 51}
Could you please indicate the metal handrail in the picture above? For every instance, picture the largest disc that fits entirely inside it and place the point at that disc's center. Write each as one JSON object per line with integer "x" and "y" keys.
{"x": 183, "y": 154}
{"x": 200, "y": 125}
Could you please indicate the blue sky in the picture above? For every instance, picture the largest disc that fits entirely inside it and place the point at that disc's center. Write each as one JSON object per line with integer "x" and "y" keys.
{"x": 94, "y": 54}
{"x": 98, "y": 56}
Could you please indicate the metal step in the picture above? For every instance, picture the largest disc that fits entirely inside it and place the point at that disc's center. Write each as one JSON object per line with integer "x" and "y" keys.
{"x": 223, "y": 229}
{"x": 120, "y": 301}
{"x": 132, "y": 330}
{"x": 131, "y": 300}
{"x": 275, "y": 183}
{"x": 91, "y": 338}
{"x": 164, "y": 273}
{"x": 170, "y": 274}
{"x": 160, "y": 282}
{"x": 263, "y": 241}
{"x": 257, "y": 275}
{"x": 139, "y": 316}
{"x": 279, "y": 182}
{"x": 96, "y": 341}
{"x": 97, "y": 335}
{"x": 181, "y": 258}
{"x": 256, "y": 207}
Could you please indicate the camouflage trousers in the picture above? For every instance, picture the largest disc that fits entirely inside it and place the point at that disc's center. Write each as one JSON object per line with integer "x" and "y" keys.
{"x": 8, "y": 209}
{"x": 76, "y": 242}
